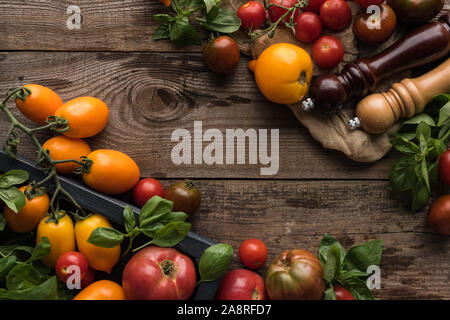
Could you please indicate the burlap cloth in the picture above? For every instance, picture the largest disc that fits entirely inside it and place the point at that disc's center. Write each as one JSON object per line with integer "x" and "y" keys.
{"x": 331, "y": 130}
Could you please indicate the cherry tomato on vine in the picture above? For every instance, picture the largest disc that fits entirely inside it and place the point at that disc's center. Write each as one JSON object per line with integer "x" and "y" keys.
{"x": 439, "y": 215}
{"x": 444, "y": 167}
{"x": 87, "y": 116}
{"x": 29, "y": 217}
{"x": 327, "y": 52}
{"x": 335, "y": 14}
{"x": 185, "y": 196}
{"x": 68, "y": 259}
{"x": 342, "y": 293}
{"x": 252, "y": 15}
{"x": 111, "y": 172}
{"x": 41, "y": 103}
{"x": 366, "y": 3}
{"x": 221, "y": 55}
{"x": 275, "y": 12}
{"x": 253, "y": 253}
{"x": 313, "y": 5}
{"x": 308, "y": 27}
{"x": 101, "y": 290}
{"x": 146, "y": 189}
{"x": 64, "y": 148}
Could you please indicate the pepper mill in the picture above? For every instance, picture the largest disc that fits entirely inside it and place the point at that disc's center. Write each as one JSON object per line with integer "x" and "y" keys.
{"x": 377, "y": 112}
{"x": 427, "y": 43}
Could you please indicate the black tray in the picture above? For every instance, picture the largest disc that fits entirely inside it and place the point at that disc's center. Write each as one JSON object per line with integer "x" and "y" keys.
{"x": 193, "y": 245}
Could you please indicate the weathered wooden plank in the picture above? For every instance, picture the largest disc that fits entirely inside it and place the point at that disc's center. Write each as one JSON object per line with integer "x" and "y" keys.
{"x": 152, "y": 94}
{"x": 293, "y": 214}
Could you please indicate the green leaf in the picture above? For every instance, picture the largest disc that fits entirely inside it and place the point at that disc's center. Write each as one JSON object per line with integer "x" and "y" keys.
{"x": 214, "y": 262}
{"x": 41, "y": 250}
{"x": 2, "y": 222}
{"x": 226, "y": 21}
{"x": 13, "y": 198}
{"x": 6, "y": 264}
{"x": 154, "y": 208}
{"x": 354, "y": 273}
{"x": 44, "y": 291}
{"x": 13, "y": 177}
{"x": 209, "y": 4}
{"x": 420, "y": 196}
{"x": 421, "y": 117}
{"x": 333, "y": 264}
{"x": 329, "y": 294}
{"x": 162, "y": 18}
{"x": 365, "y": 255}
{"x": 423, "y": 133}
{"x": 183, "y": 33}
{"x": 106, "y": 237}
{"x": 129, "y": 219}
{"x": 444, "y": 114}
{"x": 162, "y": 32}
{"x": 325, "y": 244}
{"x": 171, "y": 234}
{"x": 404, "y": 146}
{"x": 23, "y": 276}
{"x": 358, "y": 289}
{"x": 402, "y": 176}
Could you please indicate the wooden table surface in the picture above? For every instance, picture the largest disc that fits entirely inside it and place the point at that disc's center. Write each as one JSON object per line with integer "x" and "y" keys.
{"x": 153, "y": 88}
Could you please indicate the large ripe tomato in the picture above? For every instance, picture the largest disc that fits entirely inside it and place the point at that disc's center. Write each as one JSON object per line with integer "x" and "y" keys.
{"x": 276, "y": 12}
{"x": 221, "y": 55}
{"x": 295, "y": 275}
{"x": 71, "y": 258}
{"x": 252, "y": 15}
{"x": 61, "y": 236}
{"x": 146, "y": 189}
{"x": 342, "y": 293}
{"x": 101, "y": 290}
{"x": 314, "y": 5}
{"x": 308, "y": 27}
{"x": 241, "y": 284}
{"x": 444, "y": 167}
{"x": 111, "y": 172}
{"x": 253, "y": 253}
{"x": 64, "y": 148}
{"x": 439, "y": 215}
{"x": 102, "y": 259}
{"x": 335, "y": 14}
{"x": 185, "y": 196}
{"x": 327, "y": 52}
{"x": 41, "y": 103}
{"x": 29, "y": 217}
{"x": 87, "y": 116}
{"x": 382, "y": 25}
{"x": 159, "y": 274}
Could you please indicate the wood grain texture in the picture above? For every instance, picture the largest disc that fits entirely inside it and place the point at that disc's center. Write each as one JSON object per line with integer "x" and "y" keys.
{"x": 152, "y": 94}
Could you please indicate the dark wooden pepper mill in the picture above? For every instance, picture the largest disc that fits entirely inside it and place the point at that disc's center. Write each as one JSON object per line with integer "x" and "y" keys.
{"x": 427, "y": 43}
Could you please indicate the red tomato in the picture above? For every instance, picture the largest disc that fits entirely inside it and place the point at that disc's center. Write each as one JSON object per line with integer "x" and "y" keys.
{"x": 146, "y": 189}
{"x": 221, "y": 55}
{"x": 313, "y": 5}
{"x": 342, "y": 293}
{"x": 444, "y": 167}
{"x": 252, "y": 15}
{"x": 241, "y": 284}
{"x": 439, "y": 215}
{"x": 366, "y": 3}
{"x": 335, "y": 14}
{"x": 327, "y": 52}
{"x": 71, "y": 258}
{"x": 156, "y": 273}
{"x": 275, "y": 12}
{"x": 308, "y": 27}
{"x": 253, "y": 253}
{"x": 88, "y": 278}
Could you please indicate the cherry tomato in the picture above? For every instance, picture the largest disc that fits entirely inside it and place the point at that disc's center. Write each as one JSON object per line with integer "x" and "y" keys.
{"x": 41, "y": 103}
{"x": 71, "y": 258}
{"x": 439, "y": 215}
{"x": 327, "y": 52}
{"x": 335, "y": 14}
{"x": 111, "y": 172}
{"x": 88, "y": 278}
{"x": 313, "y": 5}
{"x": 275, "y": 12}
{"x": 342, "y": 293}
{"x": 64, "y": 148}
{"x": 221, "y": 55}
{"x": 252, "y": 15}
{"x": 382, "y": 27}
{"x": 146, "y": 189}
{"x": 29, "y": 217}
{"x": 253, "y": 253}
{"x": 101, "y": 290}
{"x": 87, "y": 116}
{"x": 308, "y": 27}
{"x": 185, "y": 196}
{"x": 444, "y": 167}
{"x": 241, "y": 284}
{"x": 366, "y": 3}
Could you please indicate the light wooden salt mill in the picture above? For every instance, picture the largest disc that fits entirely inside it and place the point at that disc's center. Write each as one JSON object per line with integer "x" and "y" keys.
{"x": 377, "y": 112}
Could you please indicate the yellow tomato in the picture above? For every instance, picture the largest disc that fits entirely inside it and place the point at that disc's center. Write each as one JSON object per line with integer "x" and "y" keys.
{"x": 102, "y": 259}
{"x": 101, "y": 290}
{"x": 60, "y": 235}
{"x": 283, "y": 72}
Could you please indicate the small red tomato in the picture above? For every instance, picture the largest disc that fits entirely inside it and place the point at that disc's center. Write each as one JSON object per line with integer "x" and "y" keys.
{"x": 252, "y": 15}
{"x": 253, "y": 253}
{"x": 88, "y": 278}
{"x": 366, "y": 3}
{"x": 313, "y": 5}
{"x": 185, "y": 196}
{"x": 327, "y": 52}
{"x": 241, "y": 284}
{"x": 146, "y": 189}
{"x": 373, "y": 30}
{"x": 308, "y": 27}
{"x": 439, "y": 215}
{"x": 342, "y": 293}
{"x": 444, "y": 167}
{"x": 68, "y": 259}
{"x": 276, "y": 12}
{"x": 221, "y": 55}
{"x": 335, "y": 14}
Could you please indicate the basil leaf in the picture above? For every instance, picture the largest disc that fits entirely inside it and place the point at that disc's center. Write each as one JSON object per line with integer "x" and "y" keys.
{"x": 2, "y": 222}
{"x": 209, "y": 4}
{"x": 48, "y": 290}
{"x": 421, "y": 117}
{"x": 404, "y": 145}
{"x": 333, "y": 264}
{"x": 6, "y": 264}
{"x": 214, "y": 262}
{"x": 106, "y": 237}
{"x": 151, "y": 225}
{"x": 420, "y": 196}
{"x": 162, "y": 32}
{"x": 13, "y": 198}
{"x": 174, "y": 216}
{"x": 325, "y": 244}
{"x": 13, "y": 177}
{"x": 444, "y": 114}
{"x": 183, "y": 33}
{"x": 195, "y": 5}
{"x": 226, "y": 21}
{"x": 162, "y": 17}
{"x": 171, "y": 234}
{"x": 154, "y": 207}
{"x": 41, "y": 250}
{"x": 329, "y": 294}
{"x": 354, "y": 273}
{"x": 23, "y": 276}
{"x": 365, "y": 255}
{"x": 402, "y": 176}
{"x": 129, "y": 219}
{"x": 358, "y": 289}
{"x": 151, "y": 229}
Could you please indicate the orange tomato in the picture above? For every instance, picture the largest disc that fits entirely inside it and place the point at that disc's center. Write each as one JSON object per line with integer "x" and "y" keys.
{"x": 41, "y": 103}
{"x": 64, "y": 148}
{"x": 87, "y": 116}
{"x": 101, "y": 290}
{"x": 166, "y": 2}
{"x": 112, "y": 172}
{"x": 28, "y": 218}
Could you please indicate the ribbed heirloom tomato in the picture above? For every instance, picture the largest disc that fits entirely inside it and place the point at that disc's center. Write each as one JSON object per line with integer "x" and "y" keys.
{"x": 41, "y": 103}
{"x": 64, "y": 148}
{"x": 112, "y": 172}
{"x": 29, "y": 217}
{"x": 101, "y": 290}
